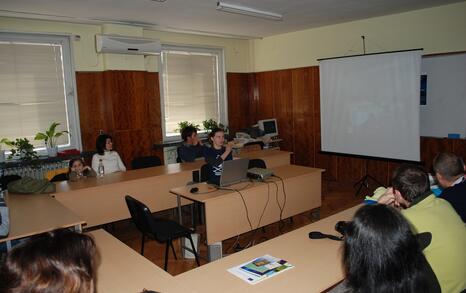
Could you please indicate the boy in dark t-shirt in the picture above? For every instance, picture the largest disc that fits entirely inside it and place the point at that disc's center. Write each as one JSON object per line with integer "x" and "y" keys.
{"x": 216, "y": 154}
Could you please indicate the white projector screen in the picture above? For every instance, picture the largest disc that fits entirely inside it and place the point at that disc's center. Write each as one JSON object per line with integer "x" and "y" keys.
{"x": 370, "y": 105}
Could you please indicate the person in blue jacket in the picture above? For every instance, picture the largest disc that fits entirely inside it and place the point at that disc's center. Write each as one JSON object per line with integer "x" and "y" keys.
{"x": 217, "y": 153}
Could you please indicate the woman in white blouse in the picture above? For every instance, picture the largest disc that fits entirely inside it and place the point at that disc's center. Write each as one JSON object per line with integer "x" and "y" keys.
{"x": 110, "y": 158}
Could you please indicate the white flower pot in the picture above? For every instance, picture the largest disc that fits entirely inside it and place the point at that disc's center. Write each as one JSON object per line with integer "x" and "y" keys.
{"x": 52, "y": 151}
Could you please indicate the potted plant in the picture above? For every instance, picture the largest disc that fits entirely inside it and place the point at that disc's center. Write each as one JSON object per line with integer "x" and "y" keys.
{"x": 50, "y": 137}
{"x": 21, "y": 148}
{"x": 2, "y": 151}
{"x": 211, "y": 124}
{"x": 183, "y": 124}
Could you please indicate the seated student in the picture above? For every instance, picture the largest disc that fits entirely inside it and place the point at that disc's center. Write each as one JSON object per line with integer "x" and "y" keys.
{"x": 60, "y": 261}
{"x": 77, "y": 170}
{"x": 192, "y": 147}
{"x": 216, "y": 154}
{"x": 110, "y": 158}
{"x": 381, "y": 254}
{"x": 449, "y": 171}
{"x": 427, "y": 213}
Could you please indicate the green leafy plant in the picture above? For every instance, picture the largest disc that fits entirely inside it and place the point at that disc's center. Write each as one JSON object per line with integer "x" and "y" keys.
{"x": 51, "y": 135}
{"x": 183, "y": 124}
{"x": 211, "y": 124}
{"x": 4, "y": 141}
{"x": 21, "y": 147}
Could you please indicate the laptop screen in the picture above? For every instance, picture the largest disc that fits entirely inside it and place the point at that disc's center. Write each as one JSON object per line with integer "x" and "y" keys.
{"x": 234, "y": 171}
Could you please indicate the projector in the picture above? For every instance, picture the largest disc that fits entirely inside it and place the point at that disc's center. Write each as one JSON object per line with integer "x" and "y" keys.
{"x": 259, "y": 173}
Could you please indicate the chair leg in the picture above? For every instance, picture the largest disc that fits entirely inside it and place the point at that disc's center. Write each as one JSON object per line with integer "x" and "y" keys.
{"x": 173, "y": 249}
{"x": 142, "y": 244}
{"x": 166, "y": 255}
{"x": 194, "y": 249}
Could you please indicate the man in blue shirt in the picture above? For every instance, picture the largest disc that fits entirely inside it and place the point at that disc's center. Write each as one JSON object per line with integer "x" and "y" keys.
{"x": 449, "y": 171}
{"x": 192, "y": 147}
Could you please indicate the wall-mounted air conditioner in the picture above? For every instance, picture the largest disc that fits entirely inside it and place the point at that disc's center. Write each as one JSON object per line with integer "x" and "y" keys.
{"x": 127, "y": 45}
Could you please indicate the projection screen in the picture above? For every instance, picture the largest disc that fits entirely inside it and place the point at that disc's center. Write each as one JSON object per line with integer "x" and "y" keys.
{"x": 370, "y": 105}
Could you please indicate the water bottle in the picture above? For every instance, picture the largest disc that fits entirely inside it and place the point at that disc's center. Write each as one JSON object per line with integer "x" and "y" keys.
{"x": 101, "y": 168}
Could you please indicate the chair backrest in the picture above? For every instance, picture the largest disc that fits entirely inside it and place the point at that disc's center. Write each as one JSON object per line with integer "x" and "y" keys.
{"x": 178, "y": 157}
{"x": 145, "y": 162}
{"x": 140, "y": 214}
{"x": 4, "y": 180}
{"x": 59, "y": 177}
{"x": 257, "y": 163}
{"x": 253, "y": 146}
{"x": 205, "y": 172}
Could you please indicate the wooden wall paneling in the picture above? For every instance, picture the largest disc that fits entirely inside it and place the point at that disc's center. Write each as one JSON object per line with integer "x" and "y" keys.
{"x": 303, "y": 122}
{"x": 379, "y": 169}
{"x": 95, "y": 111}
{"x": 350, "y": 169}
{"x": 133, "y": 143}
{"x": 431, "y": 146}
{"x": 152, "y": 89}
{"x": 265, "y": 95}
{"x": 127, "y": 90}
{"x": 459, "y": 148}
{"x": 238, "y": 101}
{"x": 283, "y": 107}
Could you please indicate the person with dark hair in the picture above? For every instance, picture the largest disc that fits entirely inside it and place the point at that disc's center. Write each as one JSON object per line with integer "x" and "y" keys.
{"x": 381, "y": 254}
{"x": 449, "y": 171}
{"x": 427, "y": 213}
{"x": 216, "y": 154}
{"x": 192, "y": 147}
{"x": 105, "y": 154}
{"x": 77, "y": 169}
{"x": 59, "y": 261}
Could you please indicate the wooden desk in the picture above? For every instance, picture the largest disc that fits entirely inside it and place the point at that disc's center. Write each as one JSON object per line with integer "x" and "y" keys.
{"x": 225, "y": 213}
{"x": 101, "y": 200}
{"x": 32, "y": 214}
{"x": 317, "y": 263}
{"x": 272, "y": 158}
{"x": 123, "y": 270}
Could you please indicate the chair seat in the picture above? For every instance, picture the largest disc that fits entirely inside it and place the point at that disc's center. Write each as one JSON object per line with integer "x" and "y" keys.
{"x": 167, "y": 229}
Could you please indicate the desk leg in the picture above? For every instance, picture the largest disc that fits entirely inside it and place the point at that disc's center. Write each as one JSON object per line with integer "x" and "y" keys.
{"x": 78, "y": 228}
{"x": 180, "y": 218}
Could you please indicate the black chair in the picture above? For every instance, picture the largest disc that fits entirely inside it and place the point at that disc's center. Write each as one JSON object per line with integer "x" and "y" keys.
{"x": 178, "y": 156}
{"x": 253, "y": 143}
{"x": 4, "y": 180}
{"x": 59, "y": 177}
{"x": 145, "y": 162}
{"x": 205, "y": 172}
{"x": 257, "y": 163}
{"x": 161, "y": 230}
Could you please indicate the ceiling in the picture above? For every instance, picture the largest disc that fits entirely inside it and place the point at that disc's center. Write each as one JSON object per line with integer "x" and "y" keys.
{"x": 201, "y": 16}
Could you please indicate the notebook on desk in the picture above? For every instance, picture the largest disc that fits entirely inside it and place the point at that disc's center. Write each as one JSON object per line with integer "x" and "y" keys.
{"x": 234, "y": 171}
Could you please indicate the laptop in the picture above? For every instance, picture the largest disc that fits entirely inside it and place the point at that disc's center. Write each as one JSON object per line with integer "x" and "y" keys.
{"x": 234, "y": 171}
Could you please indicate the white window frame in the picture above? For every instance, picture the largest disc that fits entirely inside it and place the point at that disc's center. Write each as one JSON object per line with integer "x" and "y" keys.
{"x": 221, "y": 80}
{"x": 71, "y": 101}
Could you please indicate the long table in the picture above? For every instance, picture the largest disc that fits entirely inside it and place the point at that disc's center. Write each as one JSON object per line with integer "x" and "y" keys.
{"x": 225, "y": 211}
{"x": 123, "y": 270}
{"x": 317, "y": 263}
{"x": 32, "y": 214}
{"x": 101, "y": 200}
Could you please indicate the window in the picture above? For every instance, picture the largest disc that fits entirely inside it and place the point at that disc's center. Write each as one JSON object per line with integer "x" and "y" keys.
{"x": 38, "y": 88}
{"x": 193, "y": 87}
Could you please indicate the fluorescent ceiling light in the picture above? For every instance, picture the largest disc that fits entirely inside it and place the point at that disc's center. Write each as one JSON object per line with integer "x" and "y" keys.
{"x": 232, "y": 8}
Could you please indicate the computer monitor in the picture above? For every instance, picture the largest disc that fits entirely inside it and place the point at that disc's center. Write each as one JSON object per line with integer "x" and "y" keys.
{"x": 268, "y": 126}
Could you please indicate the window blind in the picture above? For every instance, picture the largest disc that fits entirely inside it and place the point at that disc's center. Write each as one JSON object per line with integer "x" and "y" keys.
{"x": 190, "y": 88}
{"x": 32, "y": 90}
